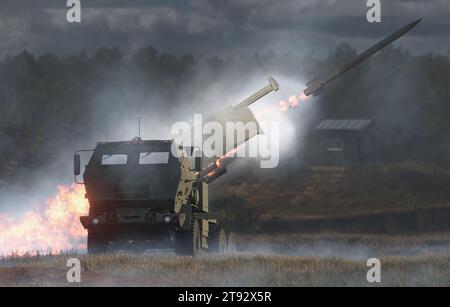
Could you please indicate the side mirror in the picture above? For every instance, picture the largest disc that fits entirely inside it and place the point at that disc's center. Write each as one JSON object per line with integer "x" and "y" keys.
{"x": 76, "y": 165}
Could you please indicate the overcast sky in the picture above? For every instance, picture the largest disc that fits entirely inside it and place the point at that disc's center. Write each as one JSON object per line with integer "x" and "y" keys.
{"x": 219, "y": 26}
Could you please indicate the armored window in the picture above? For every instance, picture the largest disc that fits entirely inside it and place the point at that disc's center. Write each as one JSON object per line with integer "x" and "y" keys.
{"x": 115, "y": 159}
{"x": 154, "y": 158}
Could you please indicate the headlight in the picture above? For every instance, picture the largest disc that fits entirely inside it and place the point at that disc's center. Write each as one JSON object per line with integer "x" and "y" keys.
{"x": 95, "y": 221}
{"x": 167, "y": 218}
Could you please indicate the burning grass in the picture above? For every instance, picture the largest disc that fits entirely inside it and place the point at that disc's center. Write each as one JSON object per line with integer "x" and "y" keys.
{"x": 53, "y": 225}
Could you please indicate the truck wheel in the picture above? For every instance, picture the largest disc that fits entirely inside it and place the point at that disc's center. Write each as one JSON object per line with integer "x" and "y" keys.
{"x": 217, "y": 239}
{"x": 96, "y": 243}
{"x": 231, "y": 243}
{"x": 187, "y": 243}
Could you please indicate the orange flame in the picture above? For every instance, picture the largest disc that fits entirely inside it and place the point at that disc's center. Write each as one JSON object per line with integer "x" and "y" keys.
{"x": 53, "y": 226}
{"x": 283, "y": 106}
{"x": 292, "y": 102}
{"x": 303, "y": 97}
{"x": 218, "y": 162}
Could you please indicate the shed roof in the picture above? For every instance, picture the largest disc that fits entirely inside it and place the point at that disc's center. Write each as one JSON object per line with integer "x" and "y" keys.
{"x": 344, "y": 124}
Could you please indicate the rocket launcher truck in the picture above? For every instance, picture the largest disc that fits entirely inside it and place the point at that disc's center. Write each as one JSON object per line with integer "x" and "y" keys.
{"x": 141, "y": 196}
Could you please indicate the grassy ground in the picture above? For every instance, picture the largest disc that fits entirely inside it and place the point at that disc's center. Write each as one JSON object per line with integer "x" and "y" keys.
{"x": 242, "y": 270}
{"x": 330, "y": 191}
{"x": 356, "y": 247}
{"x": 289, "y": 260}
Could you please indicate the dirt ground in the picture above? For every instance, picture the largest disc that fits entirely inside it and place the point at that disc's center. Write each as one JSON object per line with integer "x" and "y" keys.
{"x": 289, "y": 260}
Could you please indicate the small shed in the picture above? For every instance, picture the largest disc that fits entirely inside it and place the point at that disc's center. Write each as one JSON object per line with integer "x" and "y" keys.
{"x": 345, "y": 141}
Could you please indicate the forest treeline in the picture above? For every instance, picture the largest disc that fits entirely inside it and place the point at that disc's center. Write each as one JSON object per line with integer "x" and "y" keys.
{"x": 50, "y": 101}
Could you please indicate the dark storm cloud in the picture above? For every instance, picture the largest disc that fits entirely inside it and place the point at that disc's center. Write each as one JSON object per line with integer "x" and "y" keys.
{"x": 218, "y": 27}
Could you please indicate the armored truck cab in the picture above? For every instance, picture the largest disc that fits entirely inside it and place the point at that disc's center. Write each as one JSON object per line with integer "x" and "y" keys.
{"x": 146, "y": 195}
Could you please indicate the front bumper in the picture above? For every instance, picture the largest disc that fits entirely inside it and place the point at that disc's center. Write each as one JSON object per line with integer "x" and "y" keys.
{"x": 163, "y": 219}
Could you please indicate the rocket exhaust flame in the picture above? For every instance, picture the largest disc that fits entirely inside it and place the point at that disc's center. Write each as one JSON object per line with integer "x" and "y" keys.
{"x": 50, "y": 227}
{"x": 283, "y": 106}
{"x": 292, "y": 102}
{"x": 217, "y": 168}
{"x": 270, "y": 113}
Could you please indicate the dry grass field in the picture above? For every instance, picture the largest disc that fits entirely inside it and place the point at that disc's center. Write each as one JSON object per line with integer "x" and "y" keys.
{"x": 235, "y": 270}
{"x": 245, "y": 199}
{"x": 278, "y": 259}
{"x": 333, "y": 260}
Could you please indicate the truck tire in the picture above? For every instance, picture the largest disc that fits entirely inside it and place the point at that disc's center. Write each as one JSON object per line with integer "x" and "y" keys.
{"x": 217, "y": 239}
{"x": 96, "y": 243}
{"x": 187, "y": 243}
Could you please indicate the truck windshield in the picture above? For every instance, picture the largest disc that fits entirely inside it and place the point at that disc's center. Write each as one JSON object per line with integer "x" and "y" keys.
{"x": 153, "y": 158}
{"x": 115, "y": 159}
